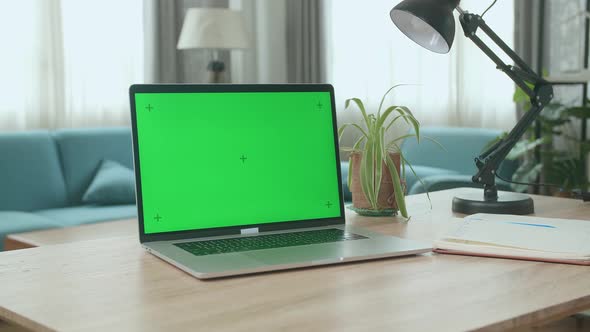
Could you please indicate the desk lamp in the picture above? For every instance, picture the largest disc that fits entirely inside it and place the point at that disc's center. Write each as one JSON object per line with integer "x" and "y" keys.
{"x": 431, "y": 24}
{"x": 213, "y": 29}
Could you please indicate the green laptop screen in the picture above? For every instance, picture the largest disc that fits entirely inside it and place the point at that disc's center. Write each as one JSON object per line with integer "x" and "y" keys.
{"x": 211, "y": 160}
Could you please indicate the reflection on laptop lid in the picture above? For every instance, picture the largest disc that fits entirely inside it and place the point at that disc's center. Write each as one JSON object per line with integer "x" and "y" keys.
{"x": 235, "y": 156}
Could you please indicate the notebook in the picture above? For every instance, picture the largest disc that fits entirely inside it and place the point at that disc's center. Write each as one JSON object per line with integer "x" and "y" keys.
{"x": 518, "y": 237}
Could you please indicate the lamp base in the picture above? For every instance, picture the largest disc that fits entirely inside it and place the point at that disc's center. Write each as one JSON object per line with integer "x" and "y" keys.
{"x": 506, "y": 203}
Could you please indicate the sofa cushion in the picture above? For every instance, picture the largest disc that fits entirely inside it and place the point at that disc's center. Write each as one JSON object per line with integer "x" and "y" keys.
{"x": 31, "y": 177}
{"x": 423, "y": 172}
{"x": 450, "y": 181}
{"x": 82, "y": 150}
{"x": 461, "y": 146}
{"x": 112, "y": 184}
{"x": 88, "y": 214}
{"x": 17, "y": 222}
{"x": 345, "y": 190}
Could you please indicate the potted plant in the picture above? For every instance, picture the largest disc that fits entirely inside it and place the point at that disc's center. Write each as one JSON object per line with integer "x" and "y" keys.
{"x": 376, "y": 164}
{"x": 561, "y": 164}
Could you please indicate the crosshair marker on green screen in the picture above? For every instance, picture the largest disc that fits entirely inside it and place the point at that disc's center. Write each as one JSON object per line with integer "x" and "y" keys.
{"x": 228, "y": 159}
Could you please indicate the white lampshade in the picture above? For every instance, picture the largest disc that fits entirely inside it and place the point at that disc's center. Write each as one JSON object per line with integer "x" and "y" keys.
{"x": 213, "y": 28}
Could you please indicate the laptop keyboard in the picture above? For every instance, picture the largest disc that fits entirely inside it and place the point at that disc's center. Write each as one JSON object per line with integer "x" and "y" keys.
{"x": 259, "y": 242}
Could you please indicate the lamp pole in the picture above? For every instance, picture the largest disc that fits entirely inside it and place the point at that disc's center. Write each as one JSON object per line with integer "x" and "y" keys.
{"x": 431, "y": 24}
{"x": 540, "y": 95}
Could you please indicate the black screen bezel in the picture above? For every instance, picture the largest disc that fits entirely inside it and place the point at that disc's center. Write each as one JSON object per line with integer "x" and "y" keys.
{"x": 221, "y": 88}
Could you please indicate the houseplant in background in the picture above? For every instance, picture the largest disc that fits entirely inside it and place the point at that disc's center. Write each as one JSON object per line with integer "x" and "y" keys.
{"x": 561, "y": 154}
{"x": 376, "y": 164}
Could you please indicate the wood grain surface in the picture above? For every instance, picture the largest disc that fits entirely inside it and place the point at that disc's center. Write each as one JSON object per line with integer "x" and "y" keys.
{"x": 113, "y": 284}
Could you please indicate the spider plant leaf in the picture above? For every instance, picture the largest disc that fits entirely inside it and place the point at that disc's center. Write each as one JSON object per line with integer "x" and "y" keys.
{"x": 358, "y": 143}
{"x": 361, "y": 107}
{"x": 394, "y": 120}
{"x": 404, "y": 116}
{"x": 386, "y": 93}
{"x": 435, "y": 142}
{"x": 341, "y": 131}
{"x": 382, "y": 118}
{"x": 400, "y": 198}
{"x": 405, "y": 161}
{"x": 346, "y": 125}
{"x": 349, "y": 179}
{"x": 373, "y": 171}
{"x": 428, "y": 138}
{"x": 414, "y": 121}
{"x": 408, "y": 117}
{"x": 407, "y": 110}
{"x": 403, "y": 137}
{"x": 378, "y": 157}
{"x": 366, "y": 173}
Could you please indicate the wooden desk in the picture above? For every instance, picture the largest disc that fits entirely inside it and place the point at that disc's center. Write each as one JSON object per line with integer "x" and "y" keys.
{"x": 113, "y": 284}
{"x": 101, "y": 230}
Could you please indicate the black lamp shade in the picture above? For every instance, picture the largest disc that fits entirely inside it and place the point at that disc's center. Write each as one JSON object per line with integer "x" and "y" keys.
{"x": 430, "y": 23}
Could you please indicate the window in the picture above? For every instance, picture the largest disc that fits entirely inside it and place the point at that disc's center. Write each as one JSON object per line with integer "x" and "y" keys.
{"x": 69, "y": 63}
{"x": 368, "y": 54}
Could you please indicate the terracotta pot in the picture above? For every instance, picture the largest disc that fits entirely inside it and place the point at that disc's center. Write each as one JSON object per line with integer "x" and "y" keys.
{"x": 386, "y": 198}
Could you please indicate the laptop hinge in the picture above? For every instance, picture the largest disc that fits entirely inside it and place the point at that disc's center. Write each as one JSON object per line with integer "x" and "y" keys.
{"x": 249, "y": 230}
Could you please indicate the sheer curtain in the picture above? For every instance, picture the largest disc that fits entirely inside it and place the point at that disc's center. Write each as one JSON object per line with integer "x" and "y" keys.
{"x": 367, "y": 54}
{"x": 68, "y": 63}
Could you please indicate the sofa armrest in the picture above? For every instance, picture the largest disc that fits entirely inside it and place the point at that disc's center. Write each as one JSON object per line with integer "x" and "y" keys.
{"x": 344, "y": 180}
{"x": 450, "y": 181}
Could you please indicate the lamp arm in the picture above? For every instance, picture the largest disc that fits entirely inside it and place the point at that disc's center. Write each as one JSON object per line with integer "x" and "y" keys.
{"x": 540, "y": 95}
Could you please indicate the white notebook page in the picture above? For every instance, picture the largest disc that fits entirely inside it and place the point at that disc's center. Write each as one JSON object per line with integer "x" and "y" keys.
{"x": 532, "y": 233}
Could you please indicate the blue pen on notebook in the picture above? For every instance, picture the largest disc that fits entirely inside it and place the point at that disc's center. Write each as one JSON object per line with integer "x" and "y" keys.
{"x": 529, "y": 224}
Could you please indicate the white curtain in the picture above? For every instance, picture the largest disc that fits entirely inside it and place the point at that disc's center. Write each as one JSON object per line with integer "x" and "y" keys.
{"x": 68, "y": 63}
{"x": 266, "y": 60}
{"x": 367, "y": 54}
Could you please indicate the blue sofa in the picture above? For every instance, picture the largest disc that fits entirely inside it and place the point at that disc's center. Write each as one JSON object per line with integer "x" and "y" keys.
{"x": 451, "y": 167}
{"x": 43, "y": 176}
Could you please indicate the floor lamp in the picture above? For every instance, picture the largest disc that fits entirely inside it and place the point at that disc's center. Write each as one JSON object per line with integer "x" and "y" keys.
{"x": 213, "y": 29}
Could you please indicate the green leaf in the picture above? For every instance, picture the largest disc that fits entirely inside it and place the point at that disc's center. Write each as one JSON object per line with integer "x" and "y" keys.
{"x": 435, "y": 142}
{"x": 403, "y": 137}
{"x": 405, "y": 161}
{"x": 361, "y": 106}
{"x": 406, "y": 114}
{"x": 528, "y": 172}
{"x": 379, "y": 164}
{"x": 400, "y": 198}
{"x": 346, "y": 125}
{"x": 349, "y": 180}
{"x": 428, "y": 138}
{"x": 494, "y": 141}
{"x": 385, "y": 96}
{"x": 367, "y": 173}
{"x": 358, "y": 143}
{"x": 419, "y": 180}
{"x": 388, "y": 111}
{"x": 577, "y": 112}
{"x": 414, "y": 122}
{"x": 395, "y": 119}
{"x": 523, "y": 147}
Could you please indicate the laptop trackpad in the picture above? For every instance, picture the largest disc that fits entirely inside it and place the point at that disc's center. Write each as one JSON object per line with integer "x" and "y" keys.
{"x": 313, "y": 253}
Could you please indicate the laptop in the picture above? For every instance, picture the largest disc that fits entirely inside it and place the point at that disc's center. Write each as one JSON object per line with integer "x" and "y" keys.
{"x": 239, "y": 179}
